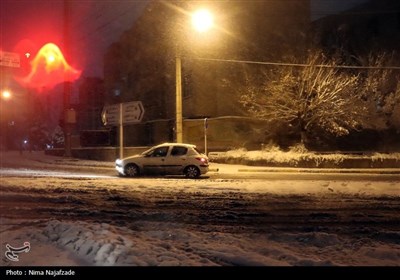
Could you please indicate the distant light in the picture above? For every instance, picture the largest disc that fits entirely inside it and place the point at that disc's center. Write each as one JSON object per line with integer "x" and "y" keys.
{"x": 202, "y": 20}
{"x": 25, "y": 141}
{"x": 6, "y": 94}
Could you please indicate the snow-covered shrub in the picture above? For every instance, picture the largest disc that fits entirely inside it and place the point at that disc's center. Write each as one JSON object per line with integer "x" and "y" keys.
{"x": 271, "y": 146}
{"x": 298, "y": 148}
{"x": 57, "y": 137}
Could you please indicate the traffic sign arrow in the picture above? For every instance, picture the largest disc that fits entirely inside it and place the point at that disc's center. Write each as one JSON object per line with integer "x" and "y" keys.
{"x": 110, "y": 114}
{"x": 132, "y": 112}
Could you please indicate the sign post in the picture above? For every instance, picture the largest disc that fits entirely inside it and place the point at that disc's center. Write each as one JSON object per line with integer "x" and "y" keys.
{"x": 121, "y": 131}
{"x": 121, "y": 114}
{"x": 205, "y": 135}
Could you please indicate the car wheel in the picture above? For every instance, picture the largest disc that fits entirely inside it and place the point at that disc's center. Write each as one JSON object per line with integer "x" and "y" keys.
{"x": 192, "y": 172}
{"x": 132, "y": 170}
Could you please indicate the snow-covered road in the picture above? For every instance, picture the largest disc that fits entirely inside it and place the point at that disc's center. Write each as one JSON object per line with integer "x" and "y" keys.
{"x": 33, "y": 173}
{"x": 98, "y": 220}
{"x": 158, "y": 221}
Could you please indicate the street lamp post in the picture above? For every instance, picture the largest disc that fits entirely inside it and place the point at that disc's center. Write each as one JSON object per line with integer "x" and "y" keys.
{"x": 202, "y": 21}
{"x": 15, "y": 123}
{"x": 69, "y": 117}
{"x": 178, "y": 94}
{"x": 5, "y": 95}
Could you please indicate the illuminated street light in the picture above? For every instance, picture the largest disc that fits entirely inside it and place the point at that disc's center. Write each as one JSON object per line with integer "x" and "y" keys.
{"x": 202, "y": 21}
{"x": 5, "y": 94}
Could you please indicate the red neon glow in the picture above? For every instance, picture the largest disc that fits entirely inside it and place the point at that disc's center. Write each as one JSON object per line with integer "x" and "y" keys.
{"x": 49, "y": 68}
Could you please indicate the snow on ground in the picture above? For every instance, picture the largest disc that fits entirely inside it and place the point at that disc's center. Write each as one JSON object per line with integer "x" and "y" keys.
{"x": 42, "y": 253}
{"x": 171, "y": 244}
{"x": 297, "y": 153}
{"x": 91, "y": 241}
{"x": 210, "y": 186}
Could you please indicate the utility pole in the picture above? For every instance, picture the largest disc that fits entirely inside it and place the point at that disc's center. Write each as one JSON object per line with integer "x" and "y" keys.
{"x": 178, "y": 96}
{"x": 68, "y": 125}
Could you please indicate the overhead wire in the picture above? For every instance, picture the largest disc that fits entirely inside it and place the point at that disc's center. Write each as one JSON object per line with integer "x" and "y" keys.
{"x": 297, "y": 64}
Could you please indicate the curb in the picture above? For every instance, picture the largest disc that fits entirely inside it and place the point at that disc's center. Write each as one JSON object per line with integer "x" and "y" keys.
{"x": 348, "y": 171}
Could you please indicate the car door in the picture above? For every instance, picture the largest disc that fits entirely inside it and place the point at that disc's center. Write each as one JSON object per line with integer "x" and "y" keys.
{"x": 176, "y": 160}
{"x": 153, "y": 162}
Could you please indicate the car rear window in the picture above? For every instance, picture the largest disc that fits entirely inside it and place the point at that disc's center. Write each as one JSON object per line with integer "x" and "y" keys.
{"x": 178, "y": 151}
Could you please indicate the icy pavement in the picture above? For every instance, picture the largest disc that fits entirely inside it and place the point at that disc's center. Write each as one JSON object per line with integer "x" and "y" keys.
{"x": 111, "y": 221}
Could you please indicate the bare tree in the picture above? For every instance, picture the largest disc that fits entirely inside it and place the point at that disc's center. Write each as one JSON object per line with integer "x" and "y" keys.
{"x": 311, "y": 98}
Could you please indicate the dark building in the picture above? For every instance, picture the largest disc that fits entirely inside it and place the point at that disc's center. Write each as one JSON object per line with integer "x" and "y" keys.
{"x": 141, "y": 66}
{"x": 354, "y": 36}
{"x": 91, "y": 103}
{"x": 368, "y": 28}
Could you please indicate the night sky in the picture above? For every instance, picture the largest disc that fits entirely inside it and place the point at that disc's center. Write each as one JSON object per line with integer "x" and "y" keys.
{"x": 94, "y": 25}
{"x": 38, "y": 22}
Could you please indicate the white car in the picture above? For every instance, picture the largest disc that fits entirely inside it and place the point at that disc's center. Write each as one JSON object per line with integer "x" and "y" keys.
{"x": 165, "y": 159}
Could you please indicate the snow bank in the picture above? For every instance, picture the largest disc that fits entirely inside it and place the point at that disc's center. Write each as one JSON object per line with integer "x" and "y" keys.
{"x": 303, "y": 158}
{"x": 170, "y": 244}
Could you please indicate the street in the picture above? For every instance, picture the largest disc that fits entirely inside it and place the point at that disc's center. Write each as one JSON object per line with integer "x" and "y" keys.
{"x": 274, "y": 220}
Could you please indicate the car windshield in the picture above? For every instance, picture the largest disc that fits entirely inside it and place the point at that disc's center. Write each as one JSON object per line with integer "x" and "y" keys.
{"x": 147, "y": 152}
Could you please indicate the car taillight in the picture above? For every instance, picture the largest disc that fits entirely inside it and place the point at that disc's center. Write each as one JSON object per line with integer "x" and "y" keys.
{"x": 203, "y": 160}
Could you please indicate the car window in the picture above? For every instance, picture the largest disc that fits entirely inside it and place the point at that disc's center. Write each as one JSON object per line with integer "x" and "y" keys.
{"x": 148, "y": 152}
{"x": 160, "y": 152}
{"x": 178, "y": 151}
